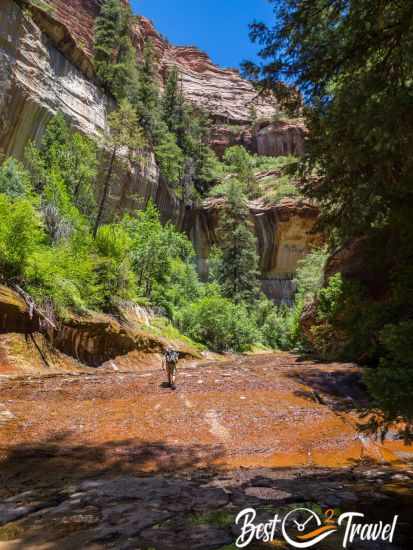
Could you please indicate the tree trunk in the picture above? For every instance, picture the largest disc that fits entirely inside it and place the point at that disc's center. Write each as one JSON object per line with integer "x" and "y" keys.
{"x": 105, "y": 193}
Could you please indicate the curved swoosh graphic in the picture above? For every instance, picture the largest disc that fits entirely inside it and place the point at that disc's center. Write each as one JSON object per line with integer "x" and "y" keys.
{"x": 317, "y": 532}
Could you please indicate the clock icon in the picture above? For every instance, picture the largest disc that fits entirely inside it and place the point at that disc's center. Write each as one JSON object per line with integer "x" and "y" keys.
{"x": 302, "y": 528}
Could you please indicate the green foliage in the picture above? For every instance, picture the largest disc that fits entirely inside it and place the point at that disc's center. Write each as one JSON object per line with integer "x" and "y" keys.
{"x": 241, "y": 164}
{"x": 271, "y": 178}
{"x": 125, "y": 141}
{"x": 173, "y": 104}
{"x": 179, "y": 287}
{"x": 116, "y": 280}
{"x": 238, "y": 273}
{"x": 170, "y": 158}
{"x": 274, "y": 191}
{"x": 69, "y": 156}
{"x": 14, "y": 179}
{"x": 219, "y": 323}
{"x": 348, "y": 322}
{"x": 62, "y": 277}
{"x": 147, "y": 97}
{"x": 20, "y": 234}
{"x": 113, "y": 56}
{"x": 197, "y": 163}
{"x": 349, "y": 59}
{"x": 154, "y": 251}
{"x": 310, "y": 275}
{"x": 391, "y": 384}
{"x": 280, "y": 326}
{"x": 125, "y": 131}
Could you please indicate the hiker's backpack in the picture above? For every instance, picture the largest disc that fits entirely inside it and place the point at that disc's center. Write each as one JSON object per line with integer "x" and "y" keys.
{"x": 172, "y": 356}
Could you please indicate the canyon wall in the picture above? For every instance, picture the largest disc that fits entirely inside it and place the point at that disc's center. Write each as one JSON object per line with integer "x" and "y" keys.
{"x": 45, "y": 67}
{"x": 284, "y": 233}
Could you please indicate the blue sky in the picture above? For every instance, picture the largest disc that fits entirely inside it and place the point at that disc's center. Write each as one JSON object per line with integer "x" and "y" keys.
{"x": 219, "y": 27}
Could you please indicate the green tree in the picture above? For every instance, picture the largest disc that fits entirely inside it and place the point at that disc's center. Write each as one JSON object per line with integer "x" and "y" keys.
{"x": 170, "y": 158}
{"x": 219, "y": 323}
{"x": 21, "y": 232}
{"x": 349, "y": 60}
{"x": 14, "y": 179}
{"x": 357, "y": 95}
{"x": 108, "y": 27}
{"x": 238, "y": 273}
{"x": 173, "y": 102}
{"x": 156, "y": 250}
{"x": 124, "y": 142}
{"x": 147, "y": 97}
{"x": 115, "y": 277}
{"x": 70, "y": 155}
{"x": 241, "y": 164}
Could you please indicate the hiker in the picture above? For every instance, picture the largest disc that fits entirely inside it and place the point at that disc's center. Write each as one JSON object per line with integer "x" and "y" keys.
{"x": 170, "y": 361}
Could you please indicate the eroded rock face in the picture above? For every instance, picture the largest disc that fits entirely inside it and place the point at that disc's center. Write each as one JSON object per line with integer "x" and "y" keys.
{"x": 281, "y": 138}
{"x": 14, "y": 313}
{"x": 96, "y": 339}
{"x": 45, "y": 66}
{"x": 227, "y": 97}
{"x": 232, "y": 101}
{"x": 284, "y": 232}
{"x": 36, "y": 80}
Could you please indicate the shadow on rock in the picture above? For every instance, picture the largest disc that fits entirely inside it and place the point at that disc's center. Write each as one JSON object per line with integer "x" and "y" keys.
{"x": 339, "y": 390}
{"x": 93, "y": 497}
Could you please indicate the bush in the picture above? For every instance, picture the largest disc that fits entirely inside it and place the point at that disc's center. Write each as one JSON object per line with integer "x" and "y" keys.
{"x": 310, "y": 275}
{"x": 391, "y": 384}
{"x": 219, "y": 323}
{"x": 115, "y": 277}
{"x": 348, "y": 322}
{"x": 20, "y": 235}
{"x": 14, "y": 179}
{"x": 280, "y": 329}
{"x": 62, "y": 277}
{"x": 181, "y": 287}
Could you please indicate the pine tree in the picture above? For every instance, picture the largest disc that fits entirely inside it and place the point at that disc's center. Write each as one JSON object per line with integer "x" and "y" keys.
{"x": 147, "y": 99}
{"x": 173, "y": 103}
{"x": 124, "y": 142}
{"x": 238, "y": 271}
{"x": 115, "y": 56}
{"x": 107, "y": 32}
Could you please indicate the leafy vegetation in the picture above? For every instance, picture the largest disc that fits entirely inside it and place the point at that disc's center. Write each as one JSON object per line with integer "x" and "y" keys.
{"x": 71, "y": 254}
{"x": 238, "y": 269}
{"x": 350, "y": 61}
{"x": 51, "y": 245}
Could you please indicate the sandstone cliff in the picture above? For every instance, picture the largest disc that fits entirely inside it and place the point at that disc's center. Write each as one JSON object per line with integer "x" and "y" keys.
{"x": 227, "y": 97}
{"x": 45, "y": 66}
{"x": 284, "y": 232}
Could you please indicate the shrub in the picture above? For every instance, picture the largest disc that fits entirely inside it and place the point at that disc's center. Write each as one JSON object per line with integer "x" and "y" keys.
{"x": 310, "y": 274}
{"x": 20, "y": 235}
{"x": 348, "y": 321}
{"x": 391, "y": 384}
{"x": 181, "y": 287}
{"x": 219, "y": 323}
{"x": 14, "y": 179}
{"x": 280, "y": 329}
{"x": 62, "y": 276}
{"x": 115, "y": 277}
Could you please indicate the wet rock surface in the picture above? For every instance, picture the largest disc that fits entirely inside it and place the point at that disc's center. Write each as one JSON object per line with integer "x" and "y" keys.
{"x": 117, "y": 460}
